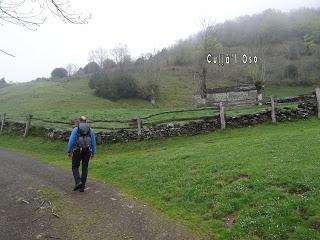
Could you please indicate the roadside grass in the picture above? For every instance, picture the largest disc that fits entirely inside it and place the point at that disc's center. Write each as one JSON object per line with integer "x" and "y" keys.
{"x": 264, "y": 178}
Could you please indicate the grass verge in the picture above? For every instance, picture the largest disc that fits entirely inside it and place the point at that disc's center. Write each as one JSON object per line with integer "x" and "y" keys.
{"x": 252, "y": 183}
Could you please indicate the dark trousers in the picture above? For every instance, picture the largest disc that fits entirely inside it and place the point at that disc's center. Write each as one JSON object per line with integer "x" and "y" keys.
{"x": 82, "y": 157}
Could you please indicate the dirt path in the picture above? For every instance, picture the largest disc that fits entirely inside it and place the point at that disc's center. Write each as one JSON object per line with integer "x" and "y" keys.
{"x": 36, "y": 202}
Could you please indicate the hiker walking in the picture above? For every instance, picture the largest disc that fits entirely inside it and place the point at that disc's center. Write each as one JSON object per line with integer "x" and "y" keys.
{"x": 81, "y": 148}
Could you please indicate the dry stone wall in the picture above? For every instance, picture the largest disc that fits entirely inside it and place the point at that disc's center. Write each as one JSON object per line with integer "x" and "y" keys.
{"x": 307, "y": 107}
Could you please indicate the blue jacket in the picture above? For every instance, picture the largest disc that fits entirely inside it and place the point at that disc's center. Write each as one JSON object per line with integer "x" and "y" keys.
{"x": 72, "y": 140}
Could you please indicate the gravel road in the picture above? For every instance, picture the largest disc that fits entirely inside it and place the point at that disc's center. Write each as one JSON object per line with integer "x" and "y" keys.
{"x": 37, "y": 202}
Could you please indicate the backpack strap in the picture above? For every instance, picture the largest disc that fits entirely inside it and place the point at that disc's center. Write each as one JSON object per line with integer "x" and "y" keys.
{"x": 77, "y": 138}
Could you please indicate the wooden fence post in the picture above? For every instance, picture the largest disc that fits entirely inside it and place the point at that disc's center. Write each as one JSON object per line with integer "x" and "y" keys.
{"x": 139, "y": 124}
{"x": 222, "y": 119}
{"x": 3, "y": 120}
{"x": 318, "y": 100}
{"x": 28, "y": 124}
{"x": 273, "y": 110}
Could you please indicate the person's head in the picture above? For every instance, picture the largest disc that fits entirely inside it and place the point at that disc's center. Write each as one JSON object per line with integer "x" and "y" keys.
{"x": 82, "y": 119}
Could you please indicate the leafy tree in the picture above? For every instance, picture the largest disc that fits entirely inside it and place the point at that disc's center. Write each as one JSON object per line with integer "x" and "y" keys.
{"x": 274, "y": 26}
{"x": 109, "y": 64}
{"x": 309, "y": 43}
{"x": 92, "y": 67}
{"x": 140, "y": 61}
{"x": 59, "y": 73}
{"x": 183, "y": 53}
{"x": 291, "y": 71}
{"x": 3, "y": 83}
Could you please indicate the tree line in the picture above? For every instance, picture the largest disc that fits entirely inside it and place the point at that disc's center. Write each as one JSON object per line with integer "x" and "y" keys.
{"x": 287, "y": 45}
{"x": 113, "y": 74}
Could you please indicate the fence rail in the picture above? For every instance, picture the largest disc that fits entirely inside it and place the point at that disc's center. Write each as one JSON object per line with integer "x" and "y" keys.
{"x": 181, "y": 110}
{"x": 138, "y": 123}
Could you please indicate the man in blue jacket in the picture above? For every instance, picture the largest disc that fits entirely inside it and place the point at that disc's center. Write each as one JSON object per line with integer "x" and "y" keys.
{"x": 81, "y": 148}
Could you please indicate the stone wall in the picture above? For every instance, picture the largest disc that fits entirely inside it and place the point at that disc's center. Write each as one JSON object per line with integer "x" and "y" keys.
{"x": 233, "y": 97}
{"x": 230, "y": 96}
{"x": 307, "y": 107}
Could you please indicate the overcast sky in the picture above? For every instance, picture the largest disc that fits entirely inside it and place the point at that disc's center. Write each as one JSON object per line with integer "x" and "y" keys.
{"x": 143, "y": 25}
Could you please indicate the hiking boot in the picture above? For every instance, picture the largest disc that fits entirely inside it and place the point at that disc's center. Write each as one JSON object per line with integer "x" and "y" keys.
{"x": 81, "y": 189}
{"x": 77, "y": 186}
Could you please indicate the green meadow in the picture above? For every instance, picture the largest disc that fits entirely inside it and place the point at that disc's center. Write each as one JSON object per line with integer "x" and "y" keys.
{"x": 257, "y": 182}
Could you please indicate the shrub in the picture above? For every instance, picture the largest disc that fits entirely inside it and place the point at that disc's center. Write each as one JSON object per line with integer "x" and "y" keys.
{"x": 148, "y": 89}
{"x": 125, "y": 85}
{"x": 115, "y": 86}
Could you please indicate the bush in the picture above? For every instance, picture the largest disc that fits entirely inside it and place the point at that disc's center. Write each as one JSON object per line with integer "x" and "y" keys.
{"x": 96, "y": 79}
{"x": 259, "y": 85}
{"x": 125, "y": 85}
{"x": 116, "y": 86}
{"x": 148, "y": 90}
{"x": 59, "y": 73}
{"x": 103, "y": 86}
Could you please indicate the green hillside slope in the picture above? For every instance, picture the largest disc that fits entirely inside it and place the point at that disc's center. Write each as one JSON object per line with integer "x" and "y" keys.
{"x": 69, "y": 98}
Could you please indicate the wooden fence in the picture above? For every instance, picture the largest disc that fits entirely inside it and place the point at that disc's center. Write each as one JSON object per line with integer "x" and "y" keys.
{"x": 139, "y": 122}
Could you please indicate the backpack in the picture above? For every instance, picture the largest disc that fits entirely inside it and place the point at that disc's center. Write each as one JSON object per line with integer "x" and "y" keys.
{"x": 83, "y": 140}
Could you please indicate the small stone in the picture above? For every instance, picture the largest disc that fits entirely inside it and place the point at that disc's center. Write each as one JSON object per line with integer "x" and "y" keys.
{"x": 39, "y": 236}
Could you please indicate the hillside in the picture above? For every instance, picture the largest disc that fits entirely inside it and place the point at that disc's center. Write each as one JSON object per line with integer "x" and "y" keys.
{"x": 287, "y": 45}
{"x": 67, "y": 99}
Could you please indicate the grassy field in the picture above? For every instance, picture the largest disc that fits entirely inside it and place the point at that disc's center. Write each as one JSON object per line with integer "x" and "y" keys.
{"x": 68, "y": 99}
{"x": 265, "y": 177}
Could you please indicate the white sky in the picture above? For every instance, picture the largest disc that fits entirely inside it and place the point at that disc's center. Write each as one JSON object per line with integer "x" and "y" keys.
{"x": 144, "y": 25}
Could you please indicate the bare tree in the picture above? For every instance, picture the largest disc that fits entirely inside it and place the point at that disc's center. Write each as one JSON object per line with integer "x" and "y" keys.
{"x": 71, "y": 69}
{"x": 33, "y": 13}
{"x": 261, "y": 46}
{"x": 99, "y": 55}
{"x": 121, "y": 54}
{"x": 149, "y": 68}
{"x": 207, "y": 43}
